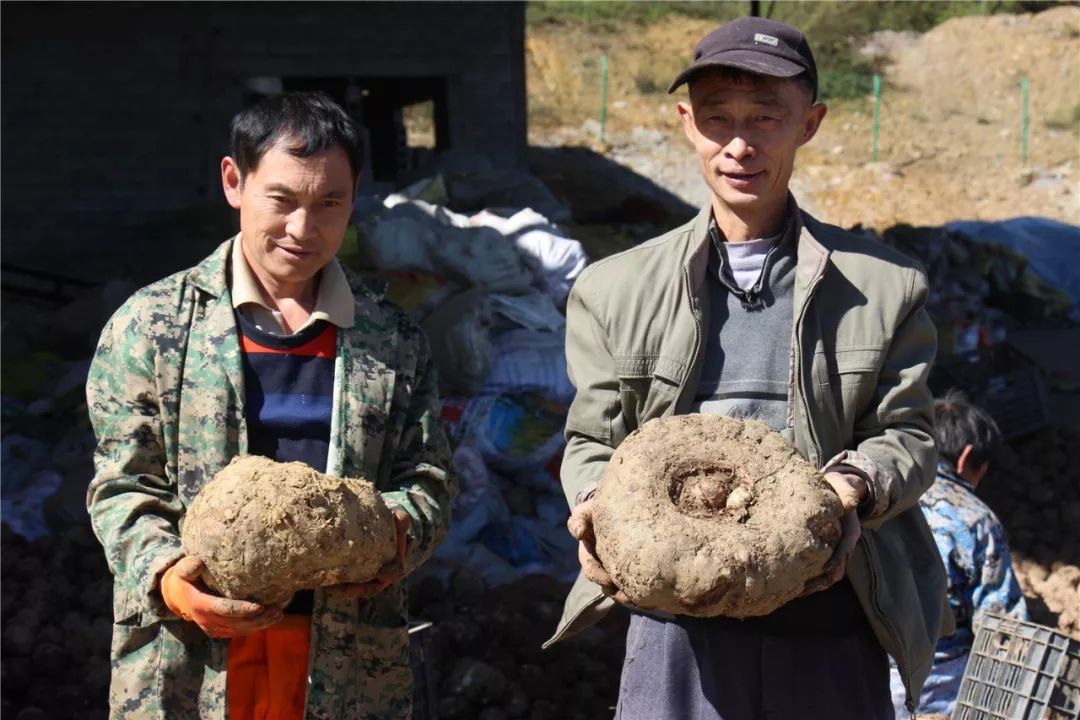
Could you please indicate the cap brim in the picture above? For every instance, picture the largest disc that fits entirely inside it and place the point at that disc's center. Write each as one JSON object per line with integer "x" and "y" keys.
{"x": 753, "y": 62}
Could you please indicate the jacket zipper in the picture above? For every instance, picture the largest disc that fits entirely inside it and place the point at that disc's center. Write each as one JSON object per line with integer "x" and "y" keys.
{"x": 670, "y": 411}
{"x": 797, "y": 347}
{"x": 697, "y": 345}
{"x": 901, "y": 665}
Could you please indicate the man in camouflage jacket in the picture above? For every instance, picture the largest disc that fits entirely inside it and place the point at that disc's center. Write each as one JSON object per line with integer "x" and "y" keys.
{"x": 167, "y": 400}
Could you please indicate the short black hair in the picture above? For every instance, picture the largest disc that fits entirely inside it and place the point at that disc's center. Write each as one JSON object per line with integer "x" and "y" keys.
{"x": 804, "y": 80}
{"x": 959, "y": 423}
{"x": 808, "y": 84}
{"x": 311, "y": 120}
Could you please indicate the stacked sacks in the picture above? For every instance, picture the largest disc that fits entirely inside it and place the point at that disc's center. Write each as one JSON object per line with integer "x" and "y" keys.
{"x": 489, "y": 289}
{"x": 467, "y": 279}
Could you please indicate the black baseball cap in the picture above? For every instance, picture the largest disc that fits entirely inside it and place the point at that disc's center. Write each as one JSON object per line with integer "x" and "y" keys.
{"x": 756, "y": 45}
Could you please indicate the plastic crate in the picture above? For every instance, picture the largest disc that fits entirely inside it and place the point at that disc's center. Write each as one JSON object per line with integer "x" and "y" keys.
{"x": 1020, "y": 671}
{"x": 425, "y": 698}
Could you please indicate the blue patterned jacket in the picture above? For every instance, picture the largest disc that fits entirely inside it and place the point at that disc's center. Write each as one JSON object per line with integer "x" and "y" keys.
{"x": 972, "y": 544}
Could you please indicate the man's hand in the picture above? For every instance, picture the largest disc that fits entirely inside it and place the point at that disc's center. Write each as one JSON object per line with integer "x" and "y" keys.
{"x": 580, "y": 526}
{"x": 852, "y": 490}
{"x": 389, "y": 573}
{"x": 184, "y": 594}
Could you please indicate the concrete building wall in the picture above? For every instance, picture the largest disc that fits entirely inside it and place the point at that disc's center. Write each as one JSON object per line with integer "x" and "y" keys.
{"x": 115, "y": 116}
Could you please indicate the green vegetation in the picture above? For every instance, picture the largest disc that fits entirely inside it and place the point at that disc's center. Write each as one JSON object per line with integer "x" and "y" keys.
{"x": 607, "y": 11}
{"x": 832, "y": 25}
{"x": 1064, "y": 118}
{"x": 851, "y": 17}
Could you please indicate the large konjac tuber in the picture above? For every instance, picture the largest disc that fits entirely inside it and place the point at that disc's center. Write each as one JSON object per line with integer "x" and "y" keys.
{"x": 706, "y": 515}
{"x": 266, "y": 530}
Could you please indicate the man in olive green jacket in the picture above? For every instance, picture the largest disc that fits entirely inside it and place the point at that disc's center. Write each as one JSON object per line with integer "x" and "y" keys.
{"x": 646, "y": 326}
{"x": 170, "y": 406}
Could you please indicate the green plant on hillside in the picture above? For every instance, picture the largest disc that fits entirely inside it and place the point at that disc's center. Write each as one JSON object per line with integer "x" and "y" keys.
{"x": 853, "y": 81}
{"x": 648, "y": 85}
{"x": 1064, "y": 119}
{"x": 541, "y": 11}
{"x": 852, "y": 17}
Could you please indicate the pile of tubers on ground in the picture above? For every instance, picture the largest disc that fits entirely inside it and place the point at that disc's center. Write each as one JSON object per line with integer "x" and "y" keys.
{"x": 1035, "y": 490}
{"x": 486, "y": 657}
{"x": 483, "y": 651}
{"x": 57, "y": 625}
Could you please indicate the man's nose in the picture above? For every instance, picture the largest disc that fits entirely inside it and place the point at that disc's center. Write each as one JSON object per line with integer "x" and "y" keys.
{"x": 300, "y": 224}
{"x": 738, "y": 148}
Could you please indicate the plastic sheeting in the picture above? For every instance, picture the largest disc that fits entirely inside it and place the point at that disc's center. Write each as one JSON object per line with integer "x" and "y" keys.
{"x": 1051, "y": 248}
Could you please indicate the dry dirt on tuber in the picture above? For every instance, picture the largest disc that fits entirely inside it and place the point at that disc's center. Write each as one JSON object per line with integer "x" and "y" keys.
{"x": 266, "y": 530}
{"x": 706, "y": 515}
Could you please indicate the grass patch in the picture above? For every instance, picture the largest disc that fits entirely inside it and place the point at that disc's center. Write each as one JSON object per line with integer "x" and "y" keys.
{"x": 1064, "y": 119}
{"x": 836, "y": 29}
{"x": 648, "y": 85}
{"x": 590, "y": 11}
{"x": 846, "y": 81}
{"x": 816, "y": 18}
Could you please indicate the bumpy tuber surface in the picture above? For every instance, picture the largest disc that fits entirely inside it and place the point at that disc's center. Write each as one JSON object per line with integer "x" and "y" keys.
{"x": 706, "y": 515}
{"x": 266, "y": 530}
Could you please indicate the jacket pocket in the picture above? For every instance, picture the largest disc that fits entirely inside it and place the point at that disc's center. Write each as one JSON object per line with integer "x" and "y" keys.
{"x": 135, "y": 689}
{"x": 128, "y": 609}
{"x": 383, "y": 687}
{"x": 851, "y": 380}
{"x": 369, "y": 432}
{"x": 648, "y": 387}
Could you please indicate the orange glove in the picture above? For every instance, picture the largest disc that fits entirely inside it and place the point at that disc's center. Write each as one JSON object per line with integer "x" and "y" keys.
{"x": 219, "y": 617}
{"x": 389, "y": 573}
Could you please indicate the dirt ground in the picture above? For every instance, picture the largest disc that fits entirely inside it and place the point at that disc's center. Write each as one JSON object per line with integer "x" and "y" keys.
{"x": 949, "y": 141}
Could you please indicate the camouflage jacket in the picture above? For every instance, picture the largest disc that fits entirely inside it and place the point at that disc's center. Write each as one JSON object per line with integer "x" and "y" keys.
{"x": 166, "y": 399}
{"x": 972, "y": 543}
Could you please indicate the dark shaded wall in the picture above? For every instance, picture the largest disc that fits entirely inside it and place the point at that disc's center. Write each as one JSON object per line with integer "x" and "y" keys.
{"x": 115, "y": 116}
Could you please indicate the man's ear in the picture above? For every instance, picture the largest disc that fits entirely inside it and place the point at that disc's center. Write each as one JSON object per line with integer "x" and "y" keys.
{"x": 814, "y": 115}
{"x": 232, "y": 182}
{"x": 963, "y": 461}
{"x": 686, "y": 114}
{"x": 967, "y": 469}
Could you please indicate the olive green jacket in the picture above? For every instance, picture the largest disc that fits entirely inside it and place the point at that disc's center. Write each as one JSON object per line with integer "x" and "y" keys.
{"x": 862, "y": 348}
{"x": 166, "y": 400}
